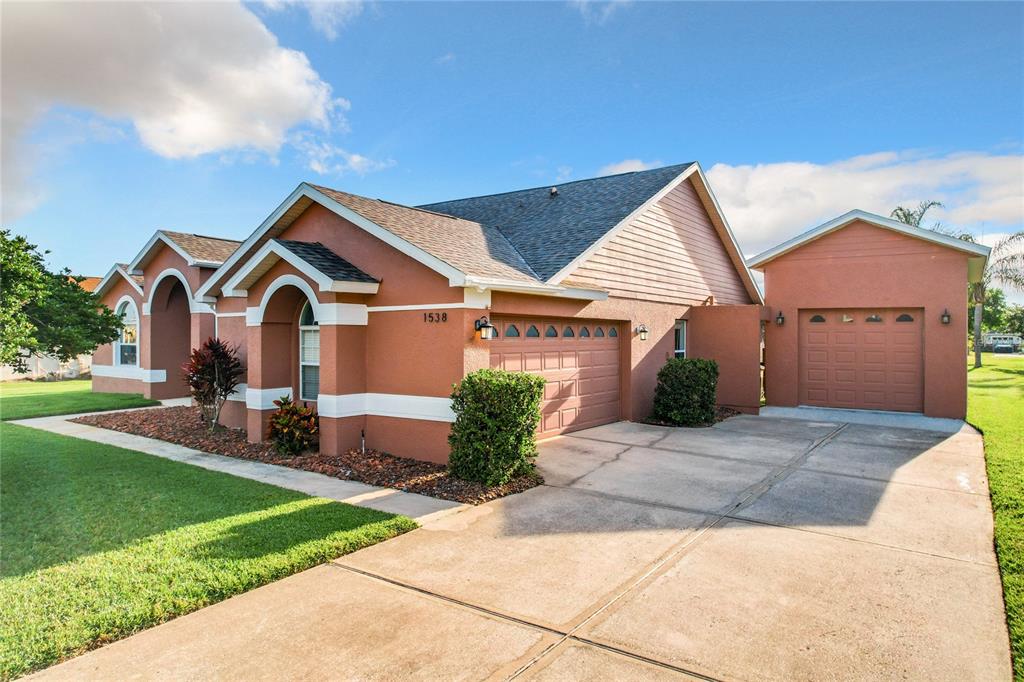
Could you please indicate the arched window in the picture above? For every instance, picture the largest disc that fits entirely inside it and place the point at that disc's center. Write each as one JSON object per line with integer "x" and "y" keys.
{"x": 873, "y": 318}
{"x": 568, "y": 332}
{"x": 127, "y": 352}
{"x": 599, "y": 332}
{"x": 309, "y": 354}
{"x": 511, "y": 331}
{"x": 905, "y": 318}
{"x": 817, "y": 319}
{"x": 532, "y": 331}
{"x": 551, "y": 331}
{"x": 613, "y": 332}
{"x": 584, "y": 332}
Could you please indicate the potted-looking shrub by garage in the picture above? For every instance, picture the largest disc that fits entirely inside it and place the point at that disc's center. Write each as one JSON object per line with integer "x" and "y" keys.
{"x": 685, "y": 394}
{"x": 496, "y": 414}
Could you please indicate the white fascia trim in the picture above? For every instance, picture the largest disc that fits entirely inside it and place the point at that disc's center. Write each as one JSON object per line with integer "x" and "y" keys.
{"x": 263, "y": 398}
{"x": 537, "y": 289}
{"x": 109, "y": 278}
{"x": 146, "y": 376}
{"x": 745, "y": 272}
{"x": 425, "y": 408}
{"x": 159, "y": 236}
{"x": 239, "y": 393}
{"x": 325, "y": 283}
{"x": 455, "y": 277}
{"x": 622, "y": 224}
{"x": 874, "y": 219}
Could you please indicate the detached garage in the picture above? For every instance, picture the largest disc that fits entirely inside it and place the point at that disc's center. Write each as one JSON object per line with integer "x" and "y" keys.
{"x": 869, "y": 313}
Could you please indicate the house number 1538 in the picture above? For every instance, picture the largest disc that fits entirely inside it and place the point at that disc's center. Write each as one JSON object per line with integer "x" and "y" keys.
{"x": 435, "y": 317}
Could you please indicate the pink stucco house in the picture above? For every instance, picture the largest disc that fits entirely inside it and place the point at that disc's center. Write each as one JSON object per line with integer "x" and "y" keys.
{"x": 370, "y": 310}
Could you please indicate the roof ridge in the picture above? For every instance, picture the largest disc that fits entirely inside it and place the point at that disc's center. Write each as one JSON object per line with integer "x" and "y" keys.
{"x": 561, "y": 184}
{"x": 201, "y": 236}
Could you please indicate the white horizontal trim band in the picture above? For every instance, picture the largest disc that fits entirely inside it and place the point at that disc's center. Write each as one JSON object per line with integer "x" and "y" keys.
{"x": 241, "y": 314}
{"x": 422, "y": 306}
{"x": 327, "y": 314}
{"x": 427, "y": 408}
{"x": 263, "y": 398}
{"x": 146, "y": 376}
{"x": 239, "y": 394}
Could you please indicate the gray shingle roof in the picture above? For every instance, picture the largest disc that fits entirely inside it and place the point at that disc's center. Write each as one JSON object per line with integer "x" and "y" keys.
{"x": 203, "y": 248}
{"x": 466, "y": 245}
{"x": 549, "y": 232}
{"x": 326, "y": 261}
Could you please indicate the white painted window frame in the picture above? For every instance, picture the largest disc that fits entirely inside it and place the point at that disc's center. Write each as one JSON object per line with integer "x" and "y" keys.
{"x": 303, "y": 329}
{"x": 128, "y": 300}
{"x": 680, "y": 326}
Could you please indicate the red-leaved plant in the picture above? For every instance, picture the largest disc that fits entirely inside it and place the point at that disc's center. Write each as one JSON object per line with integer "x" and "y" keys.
{"x": 212, "y": 373}
{"x": 293, "y": 427}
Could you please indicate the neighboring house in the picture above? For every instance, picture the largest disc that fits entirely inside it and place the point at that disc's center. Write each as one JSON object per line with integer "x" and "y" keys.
{"x": 370, "y": 311}
{"x": 869, "y": 314}
{"x": 47, "y": 366}
{"x": 989, "y": 340}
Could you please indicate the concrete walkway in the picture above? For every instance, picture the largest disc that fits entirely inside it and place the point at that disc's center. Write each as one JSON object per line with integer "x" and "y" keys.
{"x": 769, "y": 549}
{"x": 419, "y": 507}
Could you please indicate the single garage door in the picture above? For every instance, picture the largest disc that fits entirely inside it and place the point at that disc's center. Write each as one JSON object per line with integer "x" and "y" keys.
{"x": 863, "y": 359}
{"x": 579, "y": 359}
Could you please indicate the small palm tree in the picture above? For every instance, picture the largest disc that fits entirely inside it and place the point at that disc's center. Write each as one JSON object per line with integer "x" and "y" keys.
{"x": 1005, "y": 265}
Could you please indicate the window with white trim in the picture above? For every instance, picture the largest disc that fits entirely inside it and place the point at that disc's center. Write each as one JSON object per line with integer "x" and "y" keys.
{"x": 127, "y": 351}
{"x": 680, "y": 339}
{"x": 309, "y": 354}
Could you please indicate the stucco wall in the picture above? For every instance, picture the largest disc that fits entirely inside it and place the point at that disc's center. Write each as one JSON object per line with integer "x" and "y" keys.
{"x": 862, "y": 266}
{"x": 730, "y": 335}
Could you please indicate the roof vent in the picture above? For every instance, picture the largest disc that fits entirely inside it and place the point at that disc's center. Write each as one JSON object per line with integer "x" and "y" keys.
{"x": 553, "y": 191}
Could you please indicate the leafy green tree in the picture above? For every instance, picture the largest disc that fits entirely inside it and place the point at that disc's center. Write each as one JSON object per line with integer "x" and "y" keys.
{"x": 1014, "y": 319}
{"x": 44, "y": 312}
{"x": 993, "y": 316}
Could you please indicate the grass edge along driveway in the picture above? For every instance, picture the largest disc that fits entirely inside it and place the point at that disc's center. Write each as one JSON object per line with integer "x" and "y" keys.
{"x": 996, "y": 407}
{"x": 26, "y": 399}
{"x": 102, "y": 542}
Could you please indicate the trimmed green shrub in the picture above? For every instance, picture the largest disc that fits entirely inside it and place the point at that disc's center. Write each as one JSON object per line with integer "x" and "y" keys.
{"x": 293, "y": 427}
{"x": 496, "y": 417}
{"x": 685, "y": 395}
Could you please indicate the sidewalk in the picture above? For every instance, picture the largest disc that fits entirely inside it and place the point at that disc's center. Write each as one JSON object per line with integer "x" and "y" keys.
{"x": 418, "y": 507}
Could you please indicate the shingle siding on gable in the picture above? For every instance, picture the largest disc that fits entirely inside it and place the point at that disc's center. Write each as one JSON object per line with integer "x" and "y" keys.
{"x": 671, "y": 253}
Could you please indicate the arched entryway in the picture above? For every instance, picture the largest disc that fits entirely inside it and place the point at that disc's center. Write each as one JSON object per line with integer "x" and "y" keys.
{"x": 170, "y": 347}
{"x": 290, "y": 342}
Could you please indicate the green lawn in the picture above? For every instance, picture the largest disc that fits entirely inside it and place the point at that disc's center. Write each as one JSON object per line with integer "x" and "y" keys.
{"x": 101, "y": 542}
{"x": 996, "y": 407}
{"x": 24, "y": 399}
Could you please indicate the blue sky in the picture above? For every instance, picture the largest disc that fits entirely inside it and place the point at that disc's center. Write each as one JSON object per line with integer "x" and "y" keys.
{"x": 798, "y": 112}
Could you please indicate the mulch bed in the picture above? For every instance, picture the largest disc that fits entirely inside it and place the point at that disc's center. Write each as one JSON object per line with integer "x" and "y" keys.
{"x": 721, "y": 414}
{"x": 183, "y": 426}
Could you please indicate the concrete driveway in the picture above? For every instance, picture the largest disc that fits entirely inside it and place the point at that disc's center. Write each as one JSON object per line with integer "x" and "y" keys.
{"x": 758, "y": 549}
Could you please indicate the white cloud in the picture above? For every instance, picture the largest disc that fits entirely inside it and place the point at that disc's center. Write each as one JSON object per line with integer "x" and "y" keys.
{"x": 328, "y": 17}
{"x": 325, "y": 158}
{"x": 563, "y": 174}
{"x": 628, "y": 166}
{"x": 768, "y": 203}
{"x": 190, "y": 78}
{"x": 598, "y": 11}
{"x": 446, "y": 58}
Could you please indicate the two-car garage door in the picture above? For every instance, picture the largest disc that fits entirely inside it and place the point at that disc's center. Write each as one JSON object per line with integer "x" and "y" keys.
{"x": 579, "y": 359}
{"x": 864, "y": 359}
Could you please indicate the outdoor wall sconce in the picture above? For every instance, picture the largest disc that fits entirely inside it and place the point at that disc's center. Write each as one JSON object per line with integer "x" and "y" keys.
{"x": 643, "y": 332}
{"x": 780, "y": 319}
{"x": 945, "y": 317}
{"x": 486, "y": 329}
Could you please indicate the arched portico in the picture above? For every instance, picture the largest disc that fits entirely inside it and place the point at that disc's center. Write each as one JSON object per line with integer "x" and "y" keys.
{"x": 167, "y": 334}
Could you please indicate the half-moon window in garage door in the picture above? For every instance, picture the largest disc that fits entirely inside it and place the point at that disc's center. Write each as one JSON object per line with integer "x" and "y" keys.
{"x": 584, "y": 332}
{"x": 613, "y": 332}
{"x": 511, "y": 331}
{"x": 905, "y": 318}
{"x": 817, "y": 319}
{"x": 568, "y": 332}
{"x": 532, "y": 331}
{"x": 873, "y": 318}
{"x": 551, "y": 331}
{"x": 599, "y": 332}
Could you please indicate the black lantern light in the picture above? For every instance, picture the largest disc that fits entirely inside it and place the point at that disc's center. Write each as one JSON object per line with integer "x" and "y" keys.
{"x": 486, "y": 329}
{"x": 945, "y": 317}
{"x": 642, "y": 331}
{"x": 780, "y": 319}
